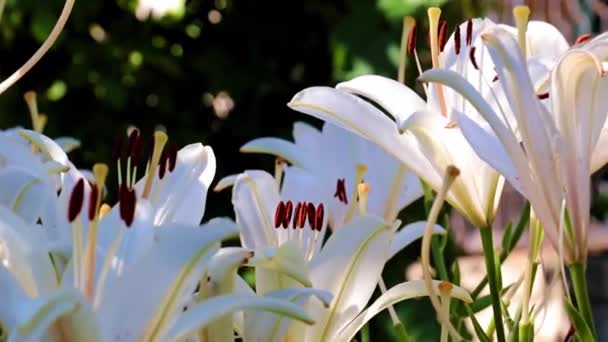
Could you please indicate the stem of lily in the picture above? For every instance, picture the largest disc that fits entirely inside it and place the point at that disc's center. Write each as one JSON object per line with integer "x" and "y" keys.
{"x": 488, "y": 252}
{"x": 581, "y": 293}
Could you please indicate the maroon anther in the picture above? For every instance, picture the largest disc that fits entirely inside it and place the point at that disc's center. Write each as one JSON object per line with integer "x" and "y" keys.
{"x": 469, "y": 37}
{"x": 495, "y": 79}
{"x": 76, "y": 199}
{"x": 133, "y": 136}
{"x": 137, "y": 151}
{"x": 93, "y": 202}
{"x": 443, "y": 28}
{"x": 279, "y": 214}
{"x": 311, "y": 212}
{"x": 341, "y": 191}
{"x": 296, "y": 214}
{"x": 162, "y": 165}
{"x": 319, "y": 217}
{"x": 583, "y": 38}
{"x": 126, "y": 205}
{"x": 287, "y": 214}
{"x": 543, "y": 96}
{"x": 411, "y": 41}
{"x": 457, "y": 40}
{"x": 117, "y": 149}
{"x": 302, "y": 215}
{"x": 172, "y": 151}
{"x": 472, "y": 57}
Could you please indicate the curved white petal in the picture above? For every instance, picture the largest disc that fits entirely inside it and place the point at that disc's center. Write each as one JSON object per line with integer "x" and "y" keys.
{"x": 287, "y": 260}
{"x": 398, "y": 100}
{"x": 200, "y": 315}
{"x": 277, "y": 147}
{"x": 348, "y": 266}
{"x": 255, "y": 197}
{"x": 396, "y": 294}
{"x": 67, "y": 144}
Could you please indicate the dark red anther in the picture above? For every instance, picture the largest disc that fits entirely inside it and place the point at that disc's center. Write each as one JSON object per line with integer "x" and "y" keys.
{"x": 543, "y": 96}
{"x": 472, "y": 57}
{"x": 76, "y": 199}
{"x": 311, "y": 212}
{"x": 279, "y": 214}
{"x": 127, "y": 207}
{"x": 302, "y": 215}
{"x": 457, "y": 40}
{"x": 287, "y": 214}
{"x": 443, "y": 28}
{"x": 411, "y": 41}
{"x": 296, "y": 214}
{"x": 341, "y": 191}
{"x": 118, "y": 148}
{"x": 495, "y": 79}
{"x": 137, "y": 151}
{"x": 93, "y": 202}
{"x": 133, "y": 136}
{"x": 583, "y": 38}
{"x": 122, "y": 199}
{"x": 469, "y": 37}
{"x": 172, "y": 151}
{"x": 162, "y": 165}
{"x": 319, "y": 217}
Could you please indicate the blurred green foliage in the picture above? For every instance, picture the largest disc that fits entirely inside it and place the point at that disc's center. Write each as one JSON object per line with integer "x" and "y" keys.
{"x": 110, "y": 70}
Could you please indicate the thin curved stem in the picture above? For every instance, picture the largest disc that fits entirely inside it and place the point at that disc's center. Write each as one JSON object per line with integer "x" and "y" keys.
{"x": 42, "y": 50}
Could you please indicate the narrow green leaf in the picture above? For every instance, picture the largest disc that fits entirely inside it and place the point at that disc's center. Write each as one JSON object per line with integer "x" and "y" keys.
{"x": 481, "y": 335}
{"x": 507, "y": 236}
{"x": 583, "y": 332}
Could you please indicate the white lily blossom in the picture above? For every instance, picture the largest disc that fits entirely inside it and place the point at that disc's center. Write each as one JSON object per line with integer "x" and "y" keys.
{"x": 559, "y": 138}
{"x": 421, "y": 134}
{"x": 340, "y": 160}
{"x": 348, "y": 265}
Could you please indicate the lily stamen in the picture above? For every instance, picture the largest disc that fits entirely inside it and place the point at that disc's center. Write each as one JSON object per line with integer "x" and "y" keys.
{"x": 543, "y": 96}
{"x": 363, "y": 191}
{"x": 38, "y": 119}
{"x": 340, "y": 192}
{"x": 117, "y": 157}
{"x": 583, "y": 38}
{"x": 360, "y": 172}
{"x": 469, "y": 36}
{"x": 279, "y": 169}
{"x": 521, "y": 14}
{"x": 74, "y": 207}
{"x": 408, "y": 24}
{"x": 442, "y": 34}
{"x": 160, "y": 139}
{"x": 434, "y": 13}
{"x": 287, "y": 214}
{"x": 472, "y": 57}
{"x": 279, "y": 213}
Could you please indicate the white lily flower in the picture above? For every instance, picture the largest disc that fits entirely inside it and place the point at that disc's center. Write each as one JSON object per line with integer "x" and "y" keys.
{"x": 340, "y": 160}
{"x": 348, "y": 265}
{"x": 421, "y": 134}
{"x": 555, "y": 157}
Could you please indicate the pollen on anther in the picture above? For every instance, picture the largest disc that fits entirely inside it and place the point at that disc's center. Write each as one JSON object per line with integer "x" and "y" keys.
{"x": 443, "y": 27}
{"x": 133, "y": 136}
{"x": 543, "y": 96}
{"x": 93, "y": 202}
{"x": 296, "y": 214}
{"x": 127, "y": 206}
{"x": 76, "y": 200}
{"x": 279, "y": 213}
{"x": 320, "y": 212}
{"x": 583, "y": 38}
{"x": 302, "y": 215}
{"x": 287, "y": 214}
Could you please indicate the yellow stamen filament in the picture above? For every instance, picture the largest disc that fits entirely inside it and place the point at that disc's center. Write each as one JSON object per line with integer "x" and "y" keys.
{"x": 521, "y": 15}
{"x": 160, "y": 139}
{"x": 408, "y": 23}
{"x": 445, "y": 291}
{"x": 392, "y": 201}
{"x": 451, "y": 173}
{"x": 360, "y": 172}
{"x": 50, "y": 40}
{"x": 32, "y": 106}
{"x": 363, "y": 191}
{"x": 434, "y": 13}
{"x": 77, "y": 250}
{"x": 104, "y": 210}
{"x": 42, "y": 120}
{"x": 279, "y": 168}
{"x": 100, "y": 171}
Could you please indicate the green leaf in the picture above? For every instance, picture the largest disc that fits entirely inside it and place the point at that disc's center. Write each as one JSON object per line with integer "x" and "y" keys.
{"x": 481, "y": 335}
{"x": 507, "y": 236}
{"x": 583, "y": 332}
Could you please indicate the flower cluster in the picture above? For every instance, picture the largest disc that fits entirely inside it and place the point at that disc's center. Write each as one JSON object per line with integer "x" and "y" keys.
{"x": 502, "y": 104}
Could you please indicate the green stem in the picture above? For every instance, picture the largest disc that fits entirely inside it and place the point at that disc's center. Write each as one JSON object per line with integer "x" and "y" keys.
{"x": 438, "y": 260}
{"x": 401, "y": 333}
{"x": 581, "y": 293}
{"x": 488, "y": 252}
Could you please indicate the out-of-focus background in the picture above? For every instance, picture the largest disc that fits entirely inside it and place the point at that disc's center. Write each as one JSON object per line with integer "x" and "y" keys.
{"x": 221, "y": 72}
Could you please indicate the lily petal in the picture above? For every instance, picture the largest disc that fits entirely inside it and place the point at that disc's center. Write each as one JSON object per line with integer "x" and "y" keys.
{"x": 287, "y": 259}
{"x": 396, "y": 294}
{"x": 349, "y": 266}
{"x": 200, "y": 315}
{"x": 277, "y": 147}
{"x": 68, "y": 144}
